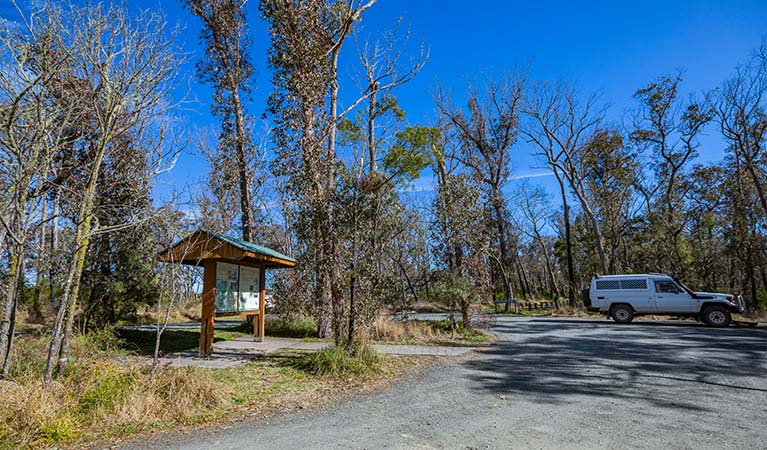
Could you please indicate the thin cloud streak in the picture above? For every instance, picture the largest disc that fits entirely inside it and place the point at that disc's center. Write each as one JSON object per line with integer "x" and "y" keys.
{"x": 525, "y": 176}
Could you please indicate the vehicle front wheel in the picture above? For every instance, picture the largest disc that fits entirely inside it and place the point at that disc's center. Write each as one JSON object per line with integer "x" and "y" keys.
{"x": 622, "y": 313}
{"x": 717, "y": 316}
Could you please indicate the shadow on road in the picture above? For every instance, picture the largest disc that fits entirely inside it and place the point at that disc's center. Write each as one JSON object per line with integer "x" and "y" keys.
{"x": 553, "y": 360}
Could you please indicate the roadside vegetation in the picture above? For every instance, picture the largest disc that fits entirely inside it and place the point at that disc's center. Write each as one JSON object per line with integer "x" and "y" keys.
{"x": 414, "y": 332}
{"x": 107, "y": 392}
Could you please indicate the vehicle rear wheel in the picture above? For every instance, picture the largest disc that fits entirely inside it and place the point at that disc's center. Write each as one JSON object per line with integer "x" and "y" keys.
{"x": 622, "y": 313}
{"x": 717, "y": 316}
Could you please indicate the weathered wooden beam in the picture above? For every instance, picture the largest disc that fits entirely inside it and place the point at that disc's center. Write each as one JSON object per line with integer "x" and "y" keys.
{"x": 208, "y": 307}
{"x": 262, "y": 302}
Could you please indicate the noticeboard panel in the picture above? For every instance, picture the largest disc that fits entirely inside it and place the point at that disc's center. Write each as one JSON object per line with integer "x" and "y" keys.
{"x": 250, "y": 288}
{"x": 237, "y": 288}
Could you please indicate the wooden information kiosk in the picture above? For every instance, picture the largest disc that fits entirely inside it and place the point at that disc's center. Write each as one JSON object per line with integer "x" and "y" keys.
{"x": 233, "y": 281}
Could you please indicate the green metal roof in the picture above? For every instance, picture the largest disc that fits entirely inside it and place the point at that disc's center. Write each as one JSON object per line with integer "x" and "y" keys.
{"x": 249, "y": 246}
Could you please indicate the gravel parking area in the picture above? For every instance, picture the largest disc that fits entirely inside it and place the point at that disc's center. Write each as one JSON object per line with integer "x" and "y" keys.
{"x": 547, "y": 384}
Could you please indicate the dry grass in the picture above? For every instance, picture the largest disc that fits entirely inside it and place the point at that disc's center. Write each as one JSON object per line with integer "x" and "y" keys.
{"x": 188, "y": 311}
{"x": 98, "y": 398}
{"x": 387, "y": 330}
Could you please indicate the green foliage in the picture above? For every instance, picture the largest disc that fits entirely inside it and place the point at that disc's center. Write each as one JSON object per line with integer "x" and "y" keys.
{"x": 411, "y": 151}
{"x": 299, "y": 327}
{"x": 761, "y": 300}
{"x": 59, "y": 430}
{"x": 457, "y": 291}
{"x": 105, "y": 341}
{"x": 336, "y": 360}
{"x": 106, "y": 389}
{"x": 454, "y": 290}
{"x": 119, "y": 276}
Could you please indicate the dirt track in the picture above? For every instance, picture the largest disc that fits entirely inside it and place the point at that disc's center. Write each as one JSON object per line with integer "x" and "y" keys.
{"x": 549, "y": 383}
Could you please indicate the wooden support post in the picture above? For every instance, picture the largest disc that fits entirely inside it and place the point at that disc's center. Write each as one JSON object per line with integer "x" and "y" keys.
{"x": 208, "y": 307}
{"x": 261, "y": 302}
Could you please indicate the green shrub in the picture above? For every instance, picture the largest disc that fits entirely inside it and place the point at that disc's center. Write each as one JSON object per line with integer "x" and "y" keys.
{"x": 107, "y": 388}
{"x": 457, "y": 292}
{"x": 103, "y": 342}
{"x": 59, "y": 430}
{"x": 445, "y": 326}
{"x": 300, "y": 327}
{"x": 337, "y": 360}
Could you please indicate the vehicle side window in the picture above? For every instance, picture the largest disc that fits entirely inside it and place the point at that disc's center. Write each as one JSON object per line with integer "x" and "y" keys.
{"x": 608, "y": 284}
{"x": 634, "y": 284}
{"x": 666, "y": 287}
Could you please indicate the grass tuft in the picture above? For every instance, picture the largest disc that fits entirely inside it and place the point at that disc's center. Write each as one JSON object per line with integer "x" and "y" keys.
{"x": 337, "y": 360}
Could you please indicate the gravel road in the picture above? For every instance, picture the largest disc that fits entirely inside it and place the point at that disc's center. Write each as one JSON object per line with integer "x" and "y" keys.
{"x": 548, "y": 384}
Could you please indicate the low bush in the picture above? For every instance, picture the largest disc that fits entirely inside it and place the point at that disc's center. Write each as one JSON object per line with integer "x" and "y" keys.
{"x": 337, "y": 360}
{"x": 299, "y": 327}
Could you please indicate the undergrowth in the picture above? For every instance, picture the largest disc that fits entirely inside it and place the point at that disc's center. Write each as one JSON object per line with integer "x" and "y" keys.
{"x": 337, "y": 360}
{"x": 299, "y": 327}
{"x": 106, "y": 392}
{"x": 426, "y": 332}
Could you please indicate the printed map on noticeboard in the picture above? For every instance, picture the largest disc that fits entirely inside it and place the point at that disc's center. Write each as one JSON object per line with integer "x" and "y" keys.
{"x": 249, "y": 288}
{"x": 237, "y": 288}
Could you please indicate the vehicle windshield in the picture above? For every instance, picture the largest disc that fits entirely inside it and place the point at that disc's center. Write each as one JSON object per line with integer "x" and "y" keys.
{"x": 688, "y": 290}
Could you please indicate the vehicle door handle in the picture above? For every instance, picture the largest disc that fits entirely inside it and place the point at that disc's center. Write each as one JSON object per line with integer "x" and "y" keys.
{"x": 600, "y": 298}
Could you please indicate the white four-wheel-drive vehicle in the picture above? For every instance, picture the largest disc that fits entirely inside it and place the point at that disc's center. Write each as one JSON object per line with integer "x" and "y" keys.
{"x": 623, "y": 297}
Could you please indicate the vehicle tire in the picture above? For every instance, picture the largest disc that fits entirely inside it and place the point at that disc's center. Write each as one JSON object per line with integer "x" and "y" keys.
{"x": 717, "y": 316}
{"x": 622, "y": 313}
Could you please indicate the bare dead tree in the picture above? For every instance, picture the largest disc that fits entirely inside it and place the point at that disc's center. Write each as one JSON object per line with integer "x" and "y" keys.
{"x": 559, "y": 123}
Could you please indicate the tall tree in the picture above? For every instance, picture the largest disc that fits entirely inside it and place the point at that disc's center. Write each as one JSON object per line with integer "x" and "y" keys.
{"x": 121, "y": 74}
{"x": 559, "y": 124}
{"x": 611, "y": 172}
{"x": 307, "y": 38}
{"x": 459, "y": 232}
{"x": 668, "y": 128}
{"x": 487, "y": 131}
{"x": 228, "y": 69}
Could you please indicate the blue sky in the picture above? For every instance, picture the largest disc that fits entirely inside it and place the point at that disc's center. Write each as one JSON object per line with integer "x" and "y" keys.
{"x": 614, "y": 47}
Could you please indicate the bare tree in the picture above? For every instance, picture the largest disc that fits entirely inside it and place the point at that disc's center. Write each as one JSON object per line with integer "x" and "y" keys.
{"x": 487, "y": 131}
{"x": 559, "y": 123}
{"x": 176, "y": 280}
{"x": 534, "y": 206}
{"x": 121, "y": 72}
{"x": 32, "y": 132}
